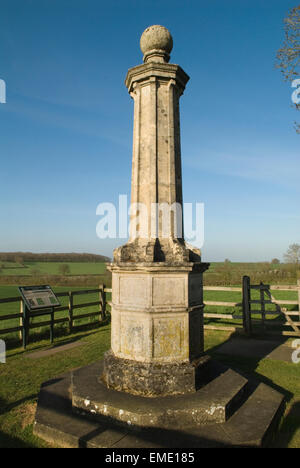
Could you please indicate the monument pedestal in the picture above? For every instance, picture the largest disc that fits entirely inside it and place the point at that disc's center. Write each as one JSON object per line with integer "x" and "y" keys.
{"x": 157, "y": 328}
{"x": 77, "y": 410}
{"x": 152, "y": 379}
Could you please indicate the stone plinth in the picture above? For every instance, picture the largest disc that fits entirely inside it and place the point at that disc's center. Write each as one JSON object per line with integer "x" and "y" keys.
{"x": 152, "y": 379}
{"x": 214, "y": 402}
{"x": 76, "y": 410}
{"x": 157, "y": 328}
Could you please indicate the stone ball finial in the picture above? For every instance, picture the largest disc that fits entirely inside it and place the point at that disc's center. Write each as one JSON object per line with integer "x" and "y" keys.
{"x": 156, "y": 44}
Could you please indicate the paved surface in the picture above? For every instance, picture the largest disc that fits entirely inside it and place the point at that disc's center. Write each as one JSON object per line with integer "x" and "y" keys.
{"x": 261, "y": 349}
{"x": 55, "y": 350}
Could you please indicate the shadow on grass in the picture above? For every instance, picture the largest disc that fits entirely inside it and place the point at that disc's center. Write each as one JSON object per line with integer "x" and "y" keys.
{"x": 247, "y": 366}
{"x": 8, "y": 441}
{"x": 289, "y": 427}
{"x": 6, "y": 407}
{"x": 59, "y": 332}
{"x": 247, "y": 363}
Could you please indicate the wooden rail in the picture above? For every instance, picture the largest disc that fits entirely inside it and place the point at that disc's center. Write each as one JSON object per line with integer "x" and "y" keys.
{"x": 214, "y": 315}
{"x": 72, "y": 309}
{"x": 262, "y": 289}
{"x": 25, "y": 320}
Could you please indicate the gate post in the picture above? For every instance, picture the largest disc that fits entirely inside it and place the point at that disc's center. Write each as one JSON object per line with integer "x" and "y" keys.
{"x": 25, "y": 329}
{"x": 70, "y": 311}
{"x": 103, "y": 301}
{"x": 298, "y": 284}
{"x": 246, "y": 306}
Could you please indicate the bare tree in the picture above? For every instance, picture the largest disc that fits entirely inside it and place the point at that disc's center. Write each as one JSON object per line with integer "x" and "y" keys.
{"x": 288, "y": 56}
{"x": 275, "y": 261}
{"x": 293, "y": 254}
{"x": 64, "y": 269}
{"x": 19, "y": 259}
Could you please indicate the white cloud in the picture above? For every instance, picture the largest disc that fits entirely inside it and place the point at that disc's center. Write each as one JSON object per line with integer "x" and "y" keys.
{"x": 277, "y": 166}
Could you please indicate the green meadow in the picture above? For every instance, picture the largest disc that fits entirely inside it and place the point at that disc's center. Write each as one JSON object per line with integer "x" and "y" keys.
{"x": 21, "y": 377}
{"x": 50, "y": 268}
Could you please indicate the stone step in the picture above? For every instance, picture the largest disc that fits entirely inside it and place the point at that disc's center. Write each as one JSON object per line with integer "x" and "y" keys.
{"x": 256, "y": 420}
{"x": 213, "y": 403}
{"x": 55, "y": 423}
{"x": 222, "y": 396}
{"x": 251, "y": 425}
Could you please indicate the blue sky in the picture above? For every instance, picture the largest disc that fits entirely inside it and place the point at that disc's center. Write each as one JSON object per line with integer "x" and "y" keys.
{"x": 66, "y": 128}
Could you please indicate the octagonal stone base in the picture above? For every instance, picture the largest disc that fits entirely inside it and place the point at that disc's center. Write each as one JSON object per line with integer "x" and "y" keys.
{"x": 154, "y": 379}
{"x": 84, "y": 413}
{"x": 157, "y": 311}
{"x": 213, "y": 403}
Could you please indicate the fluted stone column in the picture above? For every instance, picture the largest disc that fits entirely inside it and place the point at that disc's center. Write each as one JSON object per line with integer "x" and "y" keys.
{"x": 157, "y": 293}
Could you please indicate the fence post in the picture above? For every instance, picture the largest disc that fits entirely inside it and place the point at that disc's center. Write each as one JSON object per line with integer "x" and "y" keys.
{"x": 102, "y": 299}
{"x": 246, "y": 306}
{"x": 52, "y": 326}
{"x": 21, "y": 319}
{"x": 298, "y": 284}
{"x": 262, "y": 304}
{"x": 25, "y": 321}
{"x": 70, "y": 311}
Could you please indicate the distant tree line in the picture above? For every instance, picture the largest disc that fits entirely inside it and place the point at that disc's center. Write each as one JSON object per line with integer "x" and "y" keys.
{"x": 23, "y": 257}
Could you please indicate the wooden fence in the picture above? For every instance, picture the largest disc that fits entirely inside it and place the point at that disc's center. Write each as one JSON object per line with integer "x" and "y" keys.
{"x": 246, "y": 312}
{"x": 25, "y": 317}
{"x": 216, "y": 315}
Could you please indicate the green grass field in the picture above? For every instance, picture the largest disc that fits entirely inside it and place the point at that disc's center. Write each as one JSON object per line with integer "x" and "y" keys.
{"x": 60, "y": 329}
{"x": 51, "y": 268}
{"x": 219, "y": 296}
{"x": 21, "y": 377}
{"x": 229, "y": 273}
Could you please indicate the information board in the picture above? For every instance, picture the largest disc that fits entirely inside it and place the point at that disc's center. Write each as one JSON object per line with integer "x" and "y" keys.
{"x": 39, "y": 297}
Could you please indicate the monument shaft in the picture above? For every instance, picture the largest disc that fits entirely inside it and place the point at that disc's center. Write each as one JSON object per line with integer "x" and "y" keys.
{"x": 157, "y": 292}
{"x": 156, "y": 167}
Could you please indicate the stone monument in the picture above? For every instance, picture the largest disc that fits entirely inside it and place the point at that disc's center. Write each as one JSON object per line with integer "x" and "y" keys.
{"x": 156, "y": 387}
{"x": 157, "y": 293}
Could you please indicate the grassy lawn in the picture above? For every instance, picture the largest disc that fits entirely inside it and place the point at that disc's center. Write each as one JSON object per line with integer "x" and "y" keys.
{"x": 60, "y": 329}
{"x": 21, "y": 377}
{"x": 20, "y": 381}
{"x": 282, "y": 376}
{"x": 51, "y": 268}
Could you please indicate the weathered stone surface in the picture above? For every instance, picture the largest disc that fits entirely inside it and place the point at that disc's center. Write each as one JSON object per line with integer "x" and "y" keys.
{"x": 215, "y": 402}
{"x": 250, "y": 424}
{"x": 156, "y": 44}
{"x": 156, "y": 229}
{"x": 157, "y": 312}
{"x": 152, "y": 379}
{"x": 157, "y": 288}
